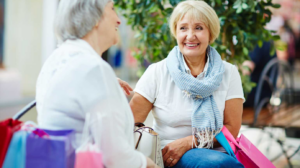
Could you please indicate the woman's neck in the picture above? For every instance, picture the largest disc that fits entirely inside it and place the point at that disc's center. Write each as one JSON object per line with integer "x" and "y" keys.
{"x": 94, "y": 42}
{"x": 196, "y": 64}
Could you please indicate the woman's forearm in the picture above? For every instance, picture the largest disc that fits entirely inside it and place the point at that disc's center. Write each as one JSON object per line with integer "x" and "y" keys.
{"x": 234, "y": 131}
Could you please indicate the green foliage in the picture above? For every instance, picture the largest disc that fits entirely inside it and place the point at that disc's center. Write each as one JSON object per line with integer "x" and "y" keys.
{"x": 242, "y": 27}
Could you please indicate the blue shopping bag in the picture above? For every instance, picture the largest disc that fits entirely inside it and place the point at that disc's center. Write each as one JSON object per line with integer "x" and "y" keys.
{"x": 15, "y": 156}
{"x": 55, "y": 150}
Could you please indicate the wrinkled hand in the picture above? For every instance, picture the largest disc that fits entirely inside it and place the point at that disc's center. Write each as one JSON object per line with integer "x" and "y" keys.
{"x": 175, "y": 150}
{"x": 126, "y": 88}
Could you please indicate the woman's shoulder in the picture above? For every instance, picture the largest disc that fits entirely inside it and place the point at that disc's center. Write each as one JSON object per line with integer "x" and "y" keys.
{"x": 76, "y": 56}
{"x": 158, "y": 67}
{"x": 231, "y": 71}
{"x": 229, "y": 67}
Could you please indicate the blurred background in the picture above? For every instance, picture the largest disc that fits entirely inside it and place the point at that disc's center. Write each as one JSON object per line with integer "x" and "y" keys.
{"x": 27, "y": 40}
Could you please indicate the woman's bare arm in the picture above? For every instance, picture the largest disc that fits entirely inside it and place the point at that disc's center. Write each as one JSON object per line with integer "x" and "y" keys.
{"x": 233, "y": 115}
{"x": 140, "y": 107}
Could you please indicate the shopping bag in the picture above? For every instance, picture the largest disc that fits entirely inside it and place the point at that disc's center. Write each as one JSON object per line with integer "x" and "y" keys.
{"x": 16, "y": 153}
{"x": 89, "y": 157}
{"x": 245, "y": 151}
{"x": 15, "y": 156}
{"x": 7, "y": 128}
{"x": 55, "y": 150}
{"x": 88, "y": 154}
{"x": 147, "y": 142}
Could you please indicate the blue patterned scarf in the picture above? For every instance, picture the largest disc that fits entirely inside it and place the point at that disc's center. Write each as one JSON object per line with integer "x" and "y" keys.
{"x": 206, "y": 117}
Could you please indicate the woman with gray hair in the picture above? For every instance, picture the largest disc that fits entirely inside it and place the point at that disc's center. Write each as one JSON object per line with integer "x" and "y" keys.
{"x": 75, "y": 80}
{"x": 192, "y": 93}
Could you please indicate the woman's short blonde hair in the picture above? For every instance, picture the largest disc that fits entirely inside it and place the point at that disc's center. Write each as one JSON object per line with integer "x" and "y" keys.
{"x": 200, "y": 11}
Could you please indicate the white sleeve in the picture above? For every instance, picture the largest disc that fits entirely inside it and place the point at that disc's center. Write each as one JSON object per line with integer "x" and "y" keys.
{"x": 98, "y": 94}
{"x": 235, "y": 89}
{"x": 117, "y": 150}
{"x": 147, "y": 86}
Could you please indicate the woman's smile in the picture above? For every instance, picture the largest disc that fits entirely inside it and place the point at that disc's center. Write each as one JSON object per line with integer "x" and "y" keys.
{"x": 191, "y": 45}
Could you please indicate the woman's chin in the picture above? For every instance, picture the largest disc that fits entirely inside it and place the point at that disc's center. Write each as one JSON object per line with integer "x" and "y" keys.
{"x": 116, "y": 41}
{"x": 192, "y": 54}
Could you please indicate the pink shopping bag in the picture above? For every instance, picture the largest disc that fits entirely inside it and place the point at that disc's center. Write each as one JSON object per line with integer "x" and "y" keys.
{"x": 88, "y": 155}
{"x": 246, "y": 152}
{"x": 89, "y": 159}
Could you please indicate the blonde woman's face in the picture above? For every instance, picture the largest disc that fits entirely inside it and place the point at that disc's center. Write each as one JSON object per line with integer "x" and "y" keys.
{"x": 192, "y": 37}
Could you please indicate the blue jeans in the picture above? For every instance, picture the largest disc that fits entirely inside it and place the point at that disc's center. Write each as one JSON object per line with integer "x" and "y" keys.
{"x": 196, "y": 158}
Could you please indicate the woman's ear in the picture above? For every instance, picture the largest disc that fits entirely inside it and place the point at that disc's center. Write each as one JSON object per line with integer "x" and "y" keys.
{"x": 97, "y": 24}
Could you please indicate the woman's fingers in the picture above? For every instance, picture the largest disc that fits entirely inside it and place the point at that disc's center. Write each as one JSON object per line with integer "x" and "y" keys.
{"x": 165, "y": 158}
{"x": 164, "y": 151}
{"x": 169, "y": 162}
{"x": 126, "y": 91}
{"x": 128, "y": 87}
{"x": 125, "y": 86}
{"x": 173, "y": 163}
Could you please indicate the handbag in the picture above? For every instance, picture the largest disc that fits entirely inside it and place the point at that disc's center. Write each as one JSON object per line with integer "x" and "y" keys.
{"x": 88, "y": 154}
{"x": 245, "y": 152}
{"x": 147, "y": 142}
{"x": 7, "y": 129}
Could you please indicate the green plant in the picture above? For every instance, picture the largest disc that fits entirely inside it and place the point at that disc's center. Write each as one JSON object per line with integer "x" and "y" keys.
{"x": 242, "y": 27}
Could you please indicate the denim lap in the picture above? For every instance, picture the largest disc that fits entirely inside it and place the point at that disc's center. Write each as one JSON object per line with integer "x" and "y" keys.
{"x": 196, "y": 158}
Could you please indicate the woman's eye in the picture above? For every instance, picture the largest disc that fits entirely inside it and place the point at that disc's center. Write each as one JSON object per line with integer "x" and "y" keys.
{"x": 199, "y": 28}
{"x": 182, "y": 28}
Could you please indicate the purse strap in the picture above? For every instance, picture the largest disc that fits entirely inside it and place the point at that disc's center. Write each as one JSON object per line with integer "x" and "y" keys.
{"x": 139, "y": 124}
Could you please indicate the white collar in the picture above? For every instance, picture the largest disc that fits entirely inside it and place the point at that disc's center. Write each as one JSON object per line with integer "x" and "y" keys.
{"x": 82, "y": 44}
{"x": 187, "y": 69}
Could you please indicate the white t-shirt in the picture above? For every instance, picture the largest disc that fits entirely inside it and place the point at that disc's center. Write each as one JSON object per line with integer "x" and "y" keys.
{"x": 76, "y": 80}
{"x": 171, "y": 109}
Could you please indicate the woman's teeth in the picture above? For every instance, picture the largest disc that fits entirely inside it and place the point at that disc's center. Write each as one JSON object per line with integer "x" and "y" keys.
{"x": 191, "y": 45}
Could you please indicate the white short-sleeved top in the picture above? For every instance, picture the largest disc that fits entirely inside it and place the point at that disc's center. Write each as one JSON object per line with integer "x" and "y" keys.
{"x": 75, "y": 80}
{"x": 171, "y": 109}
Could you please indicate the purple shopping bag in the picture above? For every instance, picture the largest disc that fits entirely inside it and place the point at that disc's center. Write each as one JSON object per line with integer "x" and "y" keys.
{"x": 55, "y": 150}
{"x": 246, "y": 152}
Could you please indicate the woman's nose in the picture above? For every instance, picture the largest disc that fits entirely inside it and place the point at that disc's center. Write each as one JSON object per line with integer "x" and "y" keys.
{"x": 191, "y": 35}
{"x": 118, "y": 20}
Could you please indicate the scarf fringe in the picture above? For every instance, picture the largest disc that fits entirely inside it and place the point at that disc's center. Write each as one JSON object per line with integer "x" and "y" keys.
{"x": 206, "y": 137}
{"x": 186, "y": 94}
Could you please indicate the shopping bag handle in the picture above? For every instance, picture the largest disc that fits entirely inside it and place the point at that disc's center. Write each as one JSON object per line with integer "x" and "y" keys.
{"x": 230, "y": 137}
{"x": 223, "y": 141}
{"x": 41, "y": 133}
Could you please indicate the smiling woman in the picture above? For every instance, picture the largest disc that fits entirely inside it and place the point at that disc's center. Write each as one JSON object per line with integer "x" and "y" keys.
{"x": 192, "y": 93}
{"x": 75, "y": 80}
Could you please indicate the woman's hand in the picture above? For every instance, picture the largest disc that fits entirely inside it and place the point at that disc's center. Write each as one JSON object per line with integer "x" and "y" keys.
{"x": 175, "y": 150}
{"x": 126, "y": 88}
{"x": 151, "y": 164}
